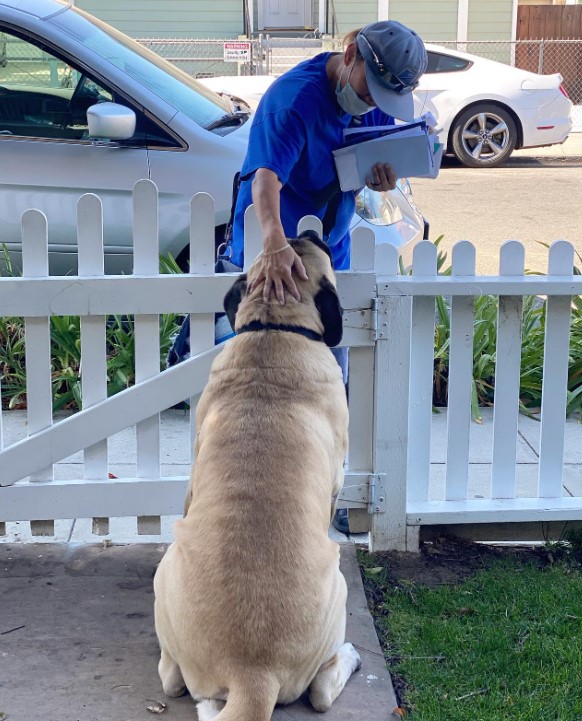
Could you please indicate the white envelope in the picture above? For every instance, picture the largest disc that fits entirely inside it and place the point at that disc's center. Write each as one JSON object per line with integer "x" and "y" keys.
{"x": 410, "y": 153}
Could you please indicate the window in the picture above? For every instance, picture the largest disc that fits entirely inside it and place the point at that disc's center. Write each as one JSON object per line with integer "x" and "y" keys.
{"x": 439, "y": 63}
{"x": 190, "y": 97}
{"x": 43, "y": 96}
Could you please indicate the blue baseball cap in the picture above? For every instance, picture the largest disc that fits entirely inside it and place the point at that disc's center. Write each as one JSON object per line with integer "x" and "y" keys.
{"x": 395, "y": 59}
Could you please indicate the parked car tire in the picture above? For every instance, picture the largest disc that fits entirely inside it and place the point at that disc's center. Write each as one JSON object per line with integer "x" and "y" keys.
{"x": 483, "y": 136}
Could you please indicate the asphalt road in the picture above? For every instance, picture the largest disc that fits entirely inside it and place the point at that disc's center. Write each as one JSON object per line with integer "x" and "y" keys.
{"x": 532, "y": 198}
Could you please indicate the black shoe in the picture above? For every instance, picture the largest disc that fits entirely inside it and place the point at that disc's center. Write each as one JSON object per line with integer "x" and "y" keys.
{"x": 340, "y": 521}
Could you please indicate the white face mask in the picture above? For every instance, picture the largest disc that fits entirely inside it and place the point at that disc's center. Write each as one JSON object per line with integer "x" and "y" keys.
{"x": 349, "y": 101}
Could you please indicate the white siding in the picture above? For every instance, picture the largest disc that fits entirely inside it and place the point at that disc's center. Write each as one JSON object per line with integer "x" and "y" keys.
{"x": 169, "y": 18}
{"x": 352, "y": 15}
{"x": 432, "y": 20}
{"x": 490, "y": 19}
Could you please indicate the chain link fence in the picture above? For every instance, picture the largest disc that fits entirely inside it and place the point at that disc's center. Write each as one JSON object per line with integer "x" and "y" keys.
{"x": 204, "y": 58}
{"x": 273, "y": 56}
{"x": 201, "y": 58}
{"x": 537, "y": 56}
{"x": 24, "y": 64}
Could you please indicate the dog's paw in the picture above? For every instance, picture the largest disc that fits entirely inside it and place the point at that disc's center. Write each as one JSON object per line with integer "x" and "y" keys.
{"x": 209, "y": 709}
{"x": 352, "y": 655}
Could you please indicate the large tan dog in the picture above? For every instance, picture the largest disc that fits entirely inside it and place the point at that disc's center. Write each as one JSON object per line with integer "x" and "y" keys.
{"x": 250, "y": 600}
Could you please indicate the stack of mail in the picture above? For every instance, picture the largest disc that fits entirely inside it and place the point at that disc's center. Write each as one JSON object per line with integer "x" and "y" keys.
{"x": 411, "y": 149}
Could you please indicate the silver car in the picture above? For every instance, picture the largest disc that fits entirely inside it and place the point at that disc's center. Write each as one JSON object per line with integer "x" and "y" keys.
{"x": 83, "y": 108}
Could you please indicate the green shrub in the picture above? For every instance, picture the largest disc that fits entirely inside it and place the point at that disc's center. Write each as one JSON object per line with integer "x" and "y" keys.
{"x": 484, "y": 351}
{"x": 65, "y": 337}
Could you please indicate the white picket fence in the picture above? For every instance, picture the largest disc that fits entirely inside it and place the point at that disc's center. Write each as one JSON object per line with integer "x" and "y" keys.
{"x": 389, "y": 328}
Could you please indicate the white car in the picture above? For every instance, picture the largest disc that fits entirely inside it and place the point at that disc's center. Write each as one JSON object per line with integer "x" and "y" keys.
{"x": 485, "y": 109}
{"x": 83, "y": 108}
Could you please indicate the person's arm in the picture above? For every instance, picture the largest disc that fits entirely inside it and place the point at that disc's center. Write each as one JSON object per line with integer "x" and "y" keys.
{"x": 279, "y": 258}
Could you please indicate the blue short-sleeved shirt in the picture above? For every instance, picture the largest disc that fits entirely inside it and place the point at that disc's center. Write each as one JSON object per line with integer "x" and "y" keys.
{"x": 297, "y": 126}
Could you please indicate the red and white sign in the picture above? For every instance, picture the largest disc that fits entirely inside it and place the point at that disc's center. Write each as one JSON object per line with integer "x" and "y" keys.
{"x": 237, "y": 51}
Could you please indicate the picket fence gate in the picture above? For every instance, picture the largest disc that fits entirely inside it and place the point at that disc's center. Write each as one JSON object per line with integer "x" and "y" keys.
{"x": 389, "y": 322}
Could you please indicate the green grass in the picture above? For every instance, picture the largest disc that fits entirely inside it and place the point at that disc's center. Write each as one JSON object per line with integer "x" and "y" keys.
{"x": 503, "y": 645}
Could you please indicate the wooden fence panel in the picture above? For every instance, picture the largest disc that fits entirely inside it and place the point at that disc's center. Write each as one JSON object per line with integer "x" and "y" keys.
{"x": 93, "y": 328}
{"x": 391, "y": 387}
{"x": 202, "y": 254}
{"x": 507, "y": 377}
{"x": 460, "y": 382}
{"x": 146, "y": 327}
{"x": 555, "y": 377}
{"x": 549, "y": 22}
{"x": 38, "y": 348}
{"x": 389, "y": 326}
{"x": 361, "y": 369}
{"x": 424, "y": 265}
{"x": 93, "y": 369}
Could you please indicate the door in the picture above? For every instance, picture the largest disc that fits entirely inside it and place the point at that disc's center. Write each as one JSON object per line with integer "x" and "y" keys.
{"x": 285, "y": 14}
{"x": 46, "y": 159}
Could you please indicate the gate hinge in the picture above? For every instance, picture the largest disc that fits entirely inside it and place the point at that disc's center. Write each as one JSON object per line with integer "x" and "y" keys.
{"x": 377, "y": 493}
{"x": 379, "y": 316}
{"x": 369, "y": 493}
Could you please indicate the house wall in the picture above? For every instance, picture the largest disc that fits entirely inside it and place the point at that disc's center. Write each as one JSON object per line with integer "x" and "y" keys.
{"x": 428, "y": 21}
{"x": 351, "y": 15}
{"x": 170, "y": 18}
{"x": 490, "y": 20}
{"x": 434, "y": 20}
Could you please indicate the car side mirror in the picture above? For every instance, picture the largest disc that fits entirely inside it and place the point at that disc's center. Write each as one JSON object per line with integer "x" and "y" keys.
{"x": 110, "y": 121}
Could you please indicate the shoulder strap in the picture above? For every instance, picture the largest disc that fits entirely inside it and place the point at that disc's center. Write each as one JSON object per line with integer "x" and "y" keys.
{"x": 223, "y": 247}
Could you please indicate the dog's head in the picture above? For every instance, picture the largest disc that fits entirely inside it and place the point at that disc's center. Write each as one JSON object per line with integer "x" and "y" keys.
{"x": 319, "y": 309}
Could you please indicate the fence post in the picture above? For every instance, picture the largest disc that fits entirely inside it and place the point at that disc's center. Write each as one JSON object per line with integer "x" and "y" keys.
{"x": 541, "y": 58}
{"x": 391, "y": 380}
{"x": 361, "y": 386}
{"x": 259, "y": 64}
{"x": 268, "y": 54}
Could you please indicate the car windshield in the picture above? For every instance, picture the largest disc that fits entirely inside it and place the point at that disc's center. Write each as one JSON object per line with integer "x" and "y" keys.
{"x": 199, "y": 103}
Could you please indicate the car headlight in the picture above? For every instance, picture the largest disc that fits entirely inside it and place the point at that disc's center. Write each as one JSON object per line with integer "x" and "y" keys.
{"x": 378, "y": 208}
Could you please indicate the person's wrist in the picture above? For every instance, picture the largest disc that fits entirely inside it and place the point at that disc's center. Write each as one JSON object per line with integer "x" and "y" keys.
{"x": 275, "y": 251}
{"x": 274, "y": 242}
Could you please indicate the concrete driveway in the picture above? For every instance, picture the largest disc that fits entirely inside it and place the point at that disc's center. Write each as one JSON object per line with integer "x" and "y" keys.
{"x": 77, "y": 639}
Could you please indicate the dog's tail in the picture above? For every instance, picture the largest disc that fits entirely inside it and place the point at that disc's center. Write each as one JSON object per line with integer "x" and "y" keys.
{"x": 249, "y": 699}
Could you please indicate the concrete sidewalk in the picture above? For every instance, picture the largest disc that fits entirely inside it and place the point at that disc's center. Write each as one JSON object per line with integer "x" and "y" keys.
{"x": 77, "y": 639}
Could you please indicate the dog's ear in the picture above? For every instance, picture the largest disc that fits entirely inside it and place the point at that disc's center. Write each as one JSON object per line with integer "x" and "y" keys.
{"x": 233, "y": 298}
{"x": 328, "y": 304}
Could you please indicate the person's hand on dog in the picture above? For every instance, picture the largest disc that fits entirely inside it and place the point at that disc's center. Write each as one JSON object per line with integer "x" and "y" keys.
{"x": 383, "y": 178}
{"x": 279, "y": 258}
{"x": 276, "y": 270}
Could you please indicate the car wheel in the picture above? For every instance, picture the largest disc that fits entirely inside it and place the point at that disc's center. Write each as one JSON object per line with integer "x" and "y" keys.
{"x": 484, "y": 136}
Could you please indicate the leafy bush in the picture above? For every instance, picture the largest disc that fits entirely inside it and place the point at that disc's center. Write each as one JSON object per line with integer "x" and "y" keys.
{"x": 65, "y": 334}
